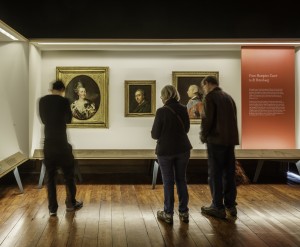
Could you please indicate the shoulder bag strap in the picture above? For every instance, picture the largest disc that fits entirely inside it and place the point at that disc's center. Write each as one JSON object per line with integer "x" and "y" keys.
{"x": 179, "y": 118}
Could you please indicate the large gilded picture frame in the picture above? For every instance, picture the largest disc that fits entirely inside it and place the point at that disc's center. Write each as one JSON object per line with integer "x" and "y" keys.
{"x": 189, "y": 88}
{"x": 140, "y": 99}
{"x": 87, "y": 91}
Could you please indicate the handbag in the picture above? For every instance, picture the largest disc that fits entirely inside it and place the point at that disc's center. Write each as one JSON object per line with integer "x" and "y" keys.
{"x": 240, "y": 175}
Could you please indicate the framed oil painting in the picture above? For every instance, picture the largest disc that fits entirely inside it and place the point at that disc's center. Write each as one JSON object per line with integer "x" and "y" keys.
{"x": 87, "y": 91}
{"x": 188, "y": 84}
{"x": 140, "y": 100}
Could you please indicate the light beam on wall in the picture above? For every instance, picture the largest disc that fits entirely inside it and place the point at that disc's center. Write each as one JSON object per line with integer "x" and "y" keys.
{"x": 157, "y": 45}
{"x": 8, "y": 34}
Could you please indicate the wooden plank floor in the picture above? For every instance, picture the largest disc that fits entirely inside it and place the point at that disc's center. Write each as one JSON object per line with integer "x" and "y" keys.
{"x": 125, "y": 215}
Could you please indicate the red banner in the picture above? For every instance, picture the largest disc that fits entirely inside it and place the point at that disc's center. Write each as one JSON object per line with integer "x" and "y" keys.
{"x": 268, "y": 98}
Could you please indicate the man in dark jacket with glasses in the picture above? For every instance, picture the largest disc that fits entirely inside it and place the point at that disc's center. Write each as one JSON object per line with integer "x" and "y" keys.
{"x": 219, "y": 131}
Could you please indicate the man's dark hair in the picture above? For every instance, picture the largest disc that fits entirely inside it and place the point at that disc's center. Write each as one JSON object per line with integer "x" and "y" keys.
{"x": 58, "y": 85}
{"x": 211, "y": 80}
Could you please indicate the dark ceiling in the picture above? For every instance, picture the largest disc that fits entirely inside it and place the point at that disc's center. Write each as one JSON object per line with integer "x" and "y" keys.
{"x": 92, "y": 19}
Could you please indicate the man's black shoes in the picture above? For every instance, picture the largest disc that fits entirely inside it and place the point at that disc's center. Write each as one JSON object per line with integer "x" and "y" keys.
{"x": 215, "y": 212}
{"x": 77, "y": 205}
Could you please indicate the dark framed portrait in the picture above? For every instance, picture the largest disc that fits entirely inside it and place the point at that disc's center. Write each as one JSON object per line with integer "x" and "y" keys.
{"x": 188, "y": 84}
{"x": 140, "y": 100}
{"x": 87, "y": 91}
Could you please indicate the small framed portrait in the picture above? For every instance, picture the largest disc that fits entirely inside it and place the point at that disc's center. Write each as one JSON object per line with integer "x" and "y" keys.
{"x": 87, "y": 91}
{"x": 140, "y": 98}
{"x": 188, "y": 84}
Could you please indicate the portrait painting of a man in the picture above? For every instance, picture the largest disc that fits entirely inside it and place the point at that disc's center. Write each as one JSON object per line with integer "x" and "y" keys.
{"x": 143, "y": 105}
{"x": 140, "y": 98}
{"x": 188, "y": 84}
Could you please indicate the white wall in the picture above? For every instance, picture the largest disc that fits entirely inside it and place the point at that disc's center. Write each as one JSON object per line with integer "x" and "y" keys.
{"x": 297, "y": 100}
{"x": 20, "y": 126}
{"x": 35, "y": 84}
{"x": 14, "y": 98}
{"x": 133, "y": 132}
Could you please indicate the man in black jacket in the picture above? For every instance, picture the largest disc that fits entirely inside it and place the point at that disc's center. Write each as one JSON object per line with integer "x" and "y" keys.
{"x": 220, "y": 133}
{"x": 55, "y": 113}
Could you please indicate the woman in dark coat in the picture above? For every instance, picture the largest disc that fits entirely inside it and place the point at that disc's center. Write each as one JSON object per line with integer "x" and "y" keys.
{"x": 170, "y": 128}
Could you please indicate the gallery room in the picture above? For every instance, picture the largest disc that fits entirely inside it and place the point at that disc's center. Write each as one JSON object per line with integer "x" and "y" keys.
{"x": 120, "y": 63}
